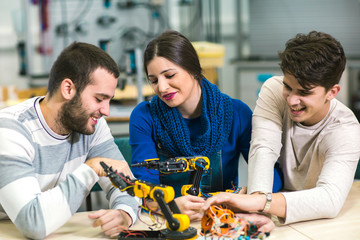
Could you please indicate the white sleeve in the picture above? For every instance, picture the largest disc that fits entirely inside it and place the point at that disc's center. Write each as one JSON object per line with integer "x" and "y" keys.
{"x": 341, "y": 148}
{"x": 266, "y": 134}
{"x": 120, "y": 200}
{"x": 36, "y": 213}
{"x": 104, "y": 146}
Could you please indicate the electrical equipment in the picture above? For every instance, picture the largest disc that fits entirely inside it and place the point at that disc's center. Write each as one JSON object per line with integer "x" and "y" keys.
{"x": 178, "y": 225}
{"x": 181, "y": 164}
{"x": 197, "y": 164}
{"x": 62, "y": 22}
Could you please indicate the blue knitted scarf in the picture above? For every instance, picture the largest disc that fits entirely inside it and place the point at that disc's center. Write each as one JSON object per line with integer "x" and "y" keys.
{"x": 216, "y": 123}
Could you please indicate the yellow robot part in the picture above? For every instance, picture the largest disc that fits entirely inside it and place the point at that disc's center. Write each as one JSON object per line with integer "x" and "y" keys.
{"x": 141, "y": 190}
{"x": 184, "y": 189}
{"x": 169, "y": 193}
{"x": 184, "y": 222}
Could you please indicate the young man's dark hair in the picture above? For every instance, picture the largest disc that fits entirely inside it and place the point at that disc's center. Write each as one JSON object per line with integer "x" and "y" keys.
{"x": 67, "y": 66}
{"x": 314, "y": 59}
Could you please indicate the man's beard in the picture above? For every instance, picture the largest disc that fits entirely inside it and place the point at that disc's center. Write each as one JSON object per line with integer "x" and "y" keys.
{"x": 74, "y": 118}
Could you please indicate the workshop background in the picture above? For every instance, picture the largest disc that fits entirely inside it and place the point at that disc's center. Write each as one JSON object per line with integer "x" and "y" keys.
{"x": 237, "y": 42}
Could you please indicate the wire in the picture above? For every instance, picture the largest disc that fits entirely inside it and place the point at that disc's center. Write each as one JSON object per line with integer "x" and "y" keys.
{"x": 125, "y": 179}
{"x": 221, "y": 222}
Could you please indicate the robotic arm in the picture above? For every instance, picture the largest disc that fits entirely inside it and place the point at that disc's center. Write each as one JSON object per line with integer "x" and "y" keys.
{"x": 198, "y": 164}
{"x": 178, "y": 225}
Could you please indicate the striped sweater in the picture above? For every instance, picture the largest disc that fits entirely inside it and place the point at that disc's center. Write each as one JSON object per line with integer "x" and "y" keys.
{"x": 43, "y": 175}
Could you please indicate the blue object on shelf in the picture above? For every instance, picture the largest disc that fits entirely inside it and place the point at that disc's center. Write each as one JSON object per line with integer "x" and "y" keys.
{"x": 264, "y": 76}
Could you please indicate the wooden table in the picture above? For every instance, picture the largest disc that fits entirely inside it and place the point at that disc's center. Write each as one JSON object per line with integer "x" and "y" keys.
{"x": 345, "y": 226}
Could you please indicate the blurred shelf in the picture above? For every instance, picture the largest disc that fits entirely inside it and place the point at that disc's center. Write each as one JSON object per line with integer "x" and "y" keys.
{"x": 130, "y": 92}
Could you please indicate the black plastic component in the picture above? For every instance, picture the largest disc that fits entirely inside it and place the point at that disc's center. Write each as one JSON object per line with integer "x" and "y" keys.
{"x": 171, "y": 165}
{"x": 172, "y": 222}
{"x": 195, "y": 188}
{"x": 115, "y": 177}
{"x": 140, "y": 234}
{"x": 155, "y": 235}
{"x": 187, "y": 234}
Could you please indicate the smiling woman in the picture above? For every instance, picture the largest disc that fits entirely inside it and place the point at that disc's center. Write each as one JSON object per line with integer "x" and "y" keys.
{"x": 175, "y": 86}
{"x": 189, "y": 116}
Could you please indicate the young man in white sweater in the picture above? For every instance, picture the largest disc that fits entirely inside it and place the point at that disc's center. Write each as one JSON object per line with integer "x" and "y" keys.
{"x": 300, "y": 124}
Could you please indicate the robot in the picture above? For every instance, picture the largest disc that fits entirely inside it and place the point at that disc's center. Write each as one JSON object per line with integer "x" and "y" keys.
{"x": 198, "y": 165}
{"x": 178, "y": 225}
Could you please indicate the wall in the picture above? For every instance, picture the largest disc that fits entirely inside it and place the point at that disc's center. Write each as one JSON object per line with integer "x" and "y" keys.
{"x": 9, "y": 67}
{"x": 8, "y": 12}
{"x": 273, "y": 22}
{"x": 119, "y": 25}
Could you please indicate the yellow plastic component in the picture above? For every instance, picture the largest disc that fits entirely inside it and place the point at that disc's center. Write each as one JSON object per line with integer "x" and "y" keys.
{"x": 151, "y": 159}
{"x": 184, "y": 188}
{"x": 210, "y": 54}
{"x": 184, "y": 222}
{"x": 187, "y": 164}
{"x": 193, "y": 162}
{"x": 141, "y": 190}
{"x": 169, "y": 193}
{"x": 230, "y": 190}
{"x": 131, "y": 92}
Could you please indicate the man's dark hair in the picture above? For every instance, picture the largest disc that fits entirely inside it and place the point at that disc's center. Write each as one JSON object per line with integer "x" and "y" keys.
{"x": 315, "y": 59}
{"x": 176, "y": 48}
{"x": 77, "y": 62}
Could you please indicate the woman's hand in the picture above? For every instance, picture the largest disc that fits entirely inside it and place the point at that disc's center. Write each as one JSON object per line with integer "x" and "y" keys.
{"x": 237, "y": 202}
{"x": 264, "y": 223}
{"x": 152, "y": 206}
{"x": 189, "y": 205}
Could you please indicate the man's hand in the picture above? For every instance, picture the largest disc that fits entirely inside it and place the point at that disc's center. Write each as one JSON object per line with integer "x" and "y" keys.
{"x": 117, "y": 165}
{"x": 111, "y": 221}
{"x": 264, "y": 223}
{"x": 236, "y": 202}
{"x": 191, "y": 206}
{"x": 152, "y": 206}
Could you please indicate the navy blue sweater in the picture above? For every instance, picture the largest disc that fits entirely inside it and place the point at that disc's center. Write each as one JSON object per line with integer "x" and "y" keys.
{"x": 143, "y": 141}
